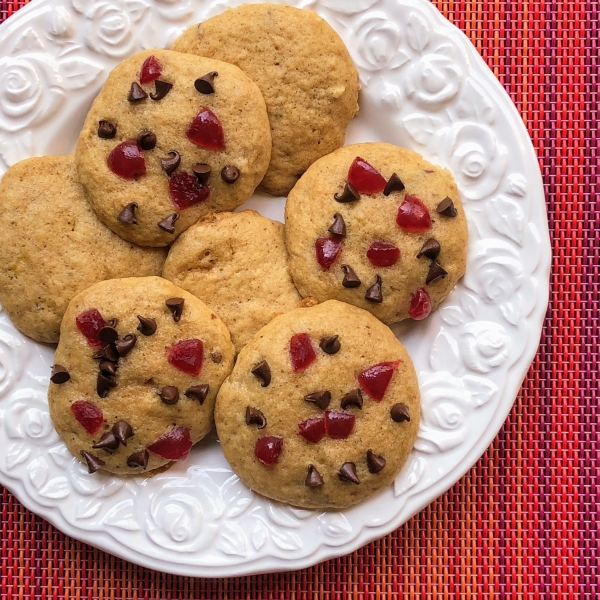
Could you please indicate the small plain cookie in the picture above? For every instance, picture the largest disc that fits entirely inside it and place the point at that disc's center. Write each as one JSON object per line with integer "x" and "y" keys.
{"x": 238, "y": 264}
{"x": 321, "y": 409}
{"x": 379, "y": 227}
{"x": 170, "y": 138}
{"x": 136, "y": 374}
{"x": 54, "y": 246}
{"x": 304, "y": 71}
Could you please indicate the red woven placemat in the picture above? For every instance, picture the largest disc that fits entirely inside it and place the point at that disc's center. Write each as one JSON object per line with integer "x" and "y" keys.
{"x": 523, "y": 522}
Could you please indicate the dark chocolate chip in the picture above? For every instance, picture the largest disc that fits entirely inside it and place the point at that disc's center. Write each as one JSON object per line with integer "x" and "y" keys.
{"x": 350, "y": 194}
{"x": 138, "y": 459}
{"x": 230, "y": 174}
{"x": 199, "y": 392}
{"x": 399, "y": 413}
{"x": 170, "y": 162}
{"x": 108, "y": 368}
{"x": 122, "y": 431}
{"x": 263, "y": 372}
{"x": 93, "y": 462}
{"x": 108, "y": 335}
{"x": 348, "y": 473}
{"x": 127, "y": 215}
{"x": 393, "y": 185}
{"x": 175, "y": 305}
{"x": 125, "y": 345}
{"x": 375, "y": 463}
{"x": 136, "y": 93}
{"x": 59, "y": 374}
{"x": 431, "y": 249}
{"x": 206, "y": 84}
{"x": 107, "y": 442}
{"x": 112, "y": 323}
{"x": 109, "y": 352}
{"x": 353, "y": 398}
{"x": 374, "y": 293}
{"x": 216, "y": 357}
{"x": 255, "y": 417}
{"x": 168, "y": 223}
{"x": 313, "y": 477}
{"x": 446, "y": 207}
{"x": 147, "y": 325}
{"x": 146, "y": 140}
{"x": 202, "y": 172}
{"x": 351, "y": 279}
{"x": 330, "y": 344}
{"x": 161, "y": 89}
{"x": 106, "y": 130}
{"x": 436, "y": 271}
{"x": 338, "y": 226}
{"x": 104, "y": 384}
{"x": 321, "y": 399}
{"x": 169, "y": 394}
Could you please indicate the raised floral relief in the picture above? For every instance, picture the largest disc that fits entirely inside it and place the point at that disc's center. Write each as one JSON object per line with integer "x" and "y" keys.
{"x": 110, "y": 30}
{"x": 484, "y": 345}
{"x": 433, "y": 80}
{"x": 13, "y": 351}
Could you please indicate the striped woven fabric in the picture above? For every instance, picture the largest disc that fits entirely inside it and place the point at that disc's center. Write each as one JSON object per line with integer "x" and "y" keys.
{"x": 523, "y": 521}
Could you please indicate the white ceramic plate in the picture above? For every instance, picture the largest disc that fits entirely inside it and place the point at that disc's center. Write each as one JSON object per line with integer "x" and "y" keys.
{"x": 424, "y": 87}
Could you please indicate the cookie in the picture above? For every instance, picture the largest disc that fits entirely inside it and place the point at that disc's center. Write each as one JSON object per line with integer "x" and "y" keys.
{"x": 321, "y": 409}
{"x": 238, "y": 264}
{"x": 136, "y": 374}
{"x": 170, "y": 138}
{"x": 379, "y": 227}
{"x": 54, "y": 246}
{"x": 304, "y": 71}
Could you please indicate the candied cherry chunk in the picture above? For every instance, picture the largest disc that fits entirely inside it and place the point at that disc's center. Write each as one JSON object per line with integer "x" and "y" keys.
{"x": 206, "y": 131}
{"x": 327, "y": 250}
{"x": 302, "y": 352}
{"x": 187, "y": 356}
{"x": 383, "y": 254}
{"x": 268, "y": 449}
{"x": 127, "y": 160}
{"x": 185, "y": 191}
{"x": 365, "y": 178}
{"x": 420, "y": 305}
{"x": 151, "y": 70}
{"x": 374, "y": 381}
{"x": 88, "y": 415}
{"x": 313, "y": 429}
{"x": 173, "y": 445}
{"x": 338, "y": 425}
{"x": 413, "y": 215}
{"x": 89, "y": 323}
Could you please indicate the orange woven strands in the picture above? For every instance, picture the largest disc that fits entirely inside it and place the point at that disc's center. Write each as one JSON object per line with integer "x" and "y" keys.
{"x": 522, "y": 523}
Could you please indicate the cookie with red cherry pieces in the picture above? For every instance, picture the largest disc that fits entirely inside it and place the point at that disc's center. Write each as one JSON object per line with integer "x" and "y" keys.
{"x": 321, "y": 409}
{"x": 136, "y": 374}
{"x": 170, "y": 138}
{"x": 379, "y": 227}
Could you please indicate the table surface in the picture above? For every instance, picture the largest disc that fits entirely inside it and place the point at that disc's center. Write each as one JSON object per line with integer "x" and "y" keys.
{"x": 522, "y": 523}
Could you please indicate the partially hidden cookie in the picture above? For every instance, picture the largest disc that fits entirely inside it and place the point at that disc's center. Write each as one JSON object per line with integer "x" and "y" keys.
{"x": 379, "y": 227}
{"x": 170, "y": 138}
{"x": 136, "y": 374}
{"x": 321, "y": 409}
{"x": 54, "y": 246}
{"x": 238, "y": 264}
{"x": 304, "y": 71}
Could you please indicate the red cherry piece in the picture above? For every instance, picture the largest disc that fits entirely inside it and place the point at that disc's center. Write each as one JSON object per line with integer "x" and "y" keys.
{"x": 302, "y": 352}
{"x": 151, "y": 70}
{"x": 187, "y": 356}
{"x": 206, "y": 131}
{"x": 365, "y": 178}
{"x": 374, "y": 381}
{"x": 312, "y": 430}
{"x": 327, "y": 250}
{"x": 413, "y": 215}
{"x": 420, "y": 305}
{"x": 88, "y": 415}
{"x": 338, "y": 425}
{"x": 383, "y": 254}
{"x": 268, "y": 449}
{"x": 127, "y": 160}
{"x": 186, "y": 191}
{"x": 173, "y": 445}
{"x": 89, "y": 323}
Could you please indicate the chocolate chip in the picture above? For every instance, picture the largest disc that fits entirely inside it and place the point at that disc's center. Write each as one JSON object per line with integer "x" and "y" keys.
{"x": 107, "y": 442}
{"x": 138, "y": 459}
{"x": 321, "y": 399}
{"x": 168, "y": 223}
{"x": 255, "y": 417}
{"x": 106, "y": 130}
{"x": 122, "y": 431}
{"x": 108, "y": 335}
{"x": 431, "y": 249}
{"x": 136, "y": 93}
{"x": 108, "y": 368}
{"x": 109, "y": 352}
{"x": 104, "y": 384}
{"x": 59, "y": 374}
{"x": 147, "y": 325}
{"x": 399, "y": 413}
{"x": 393, "y": 185}
{"x": 199, "y": 392}
{"x": 375, "y": 463}
{"x": 125, "y": 345}
{"x": 230, "y": 174}
{"x": 216, "y": 357}
{"x": 436, "y": 271}
{"x": 169, "y": 394}
{"x": 353, "y": 398}
{"x": 175, "y": 305}
{"x": 348, "y": 473}
{"x": 170, "y": 162}
{"x": 112, "y": 323}
{"x": 313, "y": 477}
{"x": 263, "y": 371}
{"x": 338, "y": 226}
{"x": 330, "y": 344}
{"x": 374, "y": 292}
{"x": 202, "y": 172}
{"x": 350, "y": 194}
{"x": 93, "y": 462}
{"x": 351, "y": 279}
{"x": 206, "y": 84}
{"x": 146, "y": 140}
{"x": 161, "y": 89}
{"x": 446, "y": 207}
{"x": 127, "y": 215}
